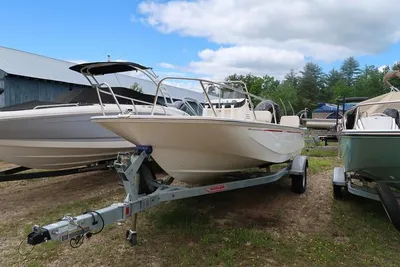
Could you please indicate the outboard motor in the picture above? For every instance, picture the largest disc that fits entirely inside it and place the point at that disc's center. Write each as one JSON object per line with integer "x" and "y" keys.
{"x": 350, "y": 119}
{"x": 267, "y": 105}
{"x": 183, "y": 105}
{"x": 394, "y": 113}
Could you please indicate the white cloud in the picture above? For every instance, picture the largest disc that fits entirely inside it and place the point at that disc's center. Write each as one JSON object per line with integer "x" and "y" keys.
{"x": 244, "y": 59}
{"x": 270, "y": 37}
{"x": 166, "y": 65}
{"x": 383, "y": 67}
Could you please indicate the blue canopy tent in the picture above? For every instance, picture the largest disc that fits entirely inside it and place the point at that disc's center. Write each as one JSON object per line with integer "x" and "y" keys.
{"x": 329, "y": 111}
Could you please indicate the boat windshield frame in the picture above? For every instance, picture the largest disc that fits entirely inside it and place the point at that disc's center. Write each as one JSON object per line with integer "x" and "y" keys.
{"x": 388, "y": 75}
{"x": 224, "y": 84}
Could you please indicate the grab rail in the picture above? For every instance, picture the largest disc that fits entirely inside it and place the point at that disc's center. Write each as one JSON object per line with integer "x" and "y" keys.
{"x": 97, "y": 85}
{"x": 115, "y": 96}
{"x": 202, "y": 81}
{"x": 56, "y": 105}
{"x": 246, "y": 91}
{"x": 185, "y": 102}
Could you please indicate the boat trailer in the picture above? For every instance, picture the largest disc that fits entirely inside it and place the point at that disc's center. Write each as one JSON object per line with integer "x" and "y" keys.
{"x": 144, "y": 192}
{"x": 389, "y": 198}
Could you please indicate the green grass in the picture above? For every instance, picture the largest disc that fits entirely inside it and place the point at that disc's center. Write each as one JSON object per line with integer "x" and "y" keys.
{"x": 189, "y": 232}
{"x": 320, "y": 153}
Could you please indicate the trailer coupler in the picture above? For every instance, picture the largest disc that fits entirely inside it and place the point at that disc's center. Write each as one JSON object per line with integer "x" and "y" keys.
{"x": 38, "y": 236}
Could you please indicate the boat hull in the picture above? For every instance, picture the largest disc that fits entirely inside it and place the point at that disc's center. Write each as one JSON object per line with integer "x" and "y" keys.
{"x": 59, "y": 138}
{"x": 61, "y": 154}
{"x": 373, "y": 155}
{"x": 196, "y": 150}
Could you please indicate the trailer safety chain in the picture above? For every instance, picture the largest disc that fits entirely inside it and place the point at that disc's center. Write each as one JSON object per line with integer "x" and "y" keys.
{"x": 76, "y": 242}
{"x": 19, "y": 248}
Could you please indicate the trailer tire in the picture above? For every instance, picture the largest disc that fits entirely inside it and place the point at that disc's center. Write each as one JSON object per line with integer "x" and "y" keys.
{"x": 147, "y": 176}
{"x": 299, "y": 181}
{"x": 337, "y": 192}
{"x": 389, "y": 203}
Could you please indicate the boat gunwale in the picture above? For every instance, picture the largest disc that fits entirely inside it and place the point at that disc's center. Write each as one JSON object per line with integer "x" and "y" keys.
{"x": 195, "y": 119}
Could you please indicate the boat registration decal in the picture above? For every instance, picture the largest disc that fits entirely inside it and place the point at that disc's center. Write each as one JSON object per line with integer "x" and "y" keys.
{"x": 216, "y": 188}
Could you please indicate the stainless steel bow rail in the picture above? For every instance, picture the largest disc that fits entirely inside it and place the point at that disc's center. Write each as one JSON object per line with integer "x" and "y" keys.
{"x": 144, "y": 192}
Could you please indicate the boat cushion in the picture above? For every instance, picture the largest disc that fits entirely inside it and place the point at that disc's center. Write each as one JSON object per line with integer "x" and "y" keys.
{"x": 293, "y": 121}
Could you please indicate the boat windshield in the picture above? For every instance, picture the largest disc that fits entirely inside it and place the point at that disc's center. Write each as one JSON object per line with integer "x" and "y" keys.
{"x": 223, "y": 92}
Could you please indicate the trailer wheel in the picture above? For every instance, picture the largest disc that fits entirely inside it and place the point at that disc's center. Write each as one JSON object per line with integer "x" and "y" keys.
{"x": 337, "y": 191}
{"x": 299, "y": 181}
{"x": 389, "y": 203}
{"x": 147, "y": 176}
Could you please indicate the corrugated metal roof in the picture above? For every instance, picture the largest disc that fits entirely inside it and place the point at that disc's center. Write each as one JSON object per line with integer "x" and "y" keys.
{"x": 26, "y": 64}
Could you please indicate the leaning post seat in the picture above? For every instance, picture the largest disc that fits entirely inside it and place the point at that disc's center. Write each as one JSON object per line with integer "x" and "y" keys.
{"x": 233, "y": 110}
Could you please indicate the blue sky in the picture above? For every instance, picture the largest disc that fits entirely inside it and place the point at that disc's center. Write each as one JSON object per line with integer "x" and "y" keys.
{"x": 89, "y": 30}
{"x": 75, "y": 30}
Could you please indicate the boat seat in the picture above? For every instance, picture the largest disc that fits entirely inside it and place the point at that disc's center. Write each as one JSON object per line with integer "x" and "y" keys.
{"x": 293, "y": 121}
{"x": 263, "y": 115}
{"x": 376, "y": 123}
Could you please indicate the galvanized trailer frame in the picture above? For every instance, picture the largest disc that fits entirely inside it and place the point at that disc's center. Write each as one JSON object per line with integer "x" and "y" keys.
{"x": 381, "y": 192}
{"x": 144, "y": 192}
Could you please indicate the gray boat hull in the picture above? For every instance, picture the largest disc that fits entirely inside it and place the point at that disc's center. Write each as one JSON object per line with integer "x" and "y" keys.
{"x": 373, "y": 155}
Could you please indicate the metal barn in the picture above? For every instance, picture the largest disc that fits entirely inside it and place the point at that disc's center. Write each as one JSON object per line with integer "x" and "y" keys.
{"x": 26, "y": 77}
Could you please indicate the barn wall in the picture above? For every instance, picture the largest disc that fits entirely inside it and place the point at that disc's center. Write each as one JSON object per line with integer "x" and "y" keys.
{"x": 20, "y": 90}
{"x": 2, "y": 75}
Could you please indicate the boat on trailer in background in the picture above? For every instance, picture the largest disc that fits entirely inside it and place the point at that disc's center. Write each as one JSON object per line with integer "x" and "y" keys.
{"x": 62, "y": 137}
{"x": 370, "y": 140}
{"x": 221, "y": 144}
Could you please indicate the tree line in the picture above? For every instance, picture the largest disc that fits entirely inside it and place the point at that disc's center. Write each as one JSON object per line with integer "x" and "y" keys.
{"x": 311, "y": 85}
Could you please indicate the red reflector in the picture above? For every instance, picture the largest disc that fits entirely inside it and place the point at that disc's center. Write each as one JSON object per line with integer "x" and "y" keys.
{"x": 127, "y": 211}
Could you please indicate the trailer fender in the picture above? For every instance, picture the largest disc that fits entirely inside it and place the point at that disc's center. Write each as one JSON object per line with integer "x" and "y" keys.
{"x": 299, "y": 165}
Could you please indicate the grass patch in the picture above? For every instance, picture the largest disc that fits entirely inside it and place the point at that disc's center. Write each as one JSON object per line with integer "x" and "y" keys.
{"x": 214, "y": 245}
{"x": 322, "y": 164}
{"x": 179, "y": 216}
{"x": 188, "y": 232}
{"x": 320, "y": 153}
